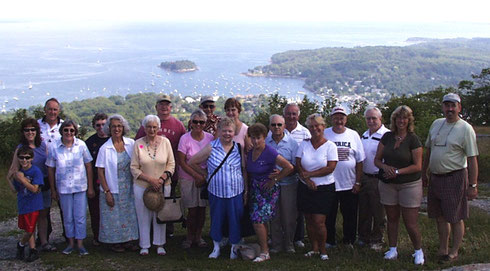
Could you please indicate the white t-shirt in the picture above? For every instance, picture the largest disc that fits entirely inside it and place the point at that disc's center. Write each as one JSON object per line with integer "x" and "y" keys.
{"x": 312, "y": 159}
{"x": 350, "y": 152}
{"x": 370, "y": 144}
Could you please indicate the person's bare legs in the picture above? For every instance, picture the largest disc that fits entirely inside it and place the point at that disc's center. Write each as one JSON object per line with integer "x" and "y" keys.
{"x": 458, "y": 233}
{"x": 261, "y": 231}
{"x": 310, "y": 228}
{"x": 443, "y": 229}
{"x": 321, "y": 232}
{"x": 42, "y": 226}
{"x": 393, "y": 217}
{"x": 200, "y": 219}
{"x": 410, "y": 218}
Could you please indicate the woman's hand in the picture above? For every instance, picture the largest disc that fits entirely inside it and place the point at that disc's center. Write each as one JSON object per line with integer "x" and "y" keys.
{"x": 90, "y": 193}
{"x": 389, "y": 172}
{"x": 109, "y": 199}
{"x": 311, "y": 185}
{"x": 274, "y": 174}
{"x": 200, "y": 181}
{"x": 155, "y": 183}
{"x": 54, "y": 194}
{"x": 270, "y": 183}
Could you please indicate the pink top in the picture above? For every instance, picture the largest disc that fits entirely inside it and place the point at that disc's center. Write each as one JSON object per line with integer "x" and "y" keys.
{"x": 189, "y": 146}
{"x": 240, "y": 138}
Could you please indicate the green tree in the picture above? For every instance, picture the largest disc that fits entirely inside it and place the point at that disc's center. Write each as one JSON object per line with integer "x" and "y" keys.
{"x": 476, "y": 98}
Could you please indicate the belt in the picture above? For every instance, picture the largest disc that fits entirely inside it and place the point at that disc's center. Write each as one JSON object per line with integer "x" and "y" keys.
{"x": 371, "y": 175}
{"x": 447, "y": 174}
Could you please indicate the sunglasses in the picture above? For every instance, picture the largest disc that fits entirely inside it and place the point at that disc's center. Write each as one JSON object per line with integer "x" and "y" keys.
{"x": 66, "y": 130}
{"x": 210, "y": 106}
{"x": 29, "y": 130}
{"x": 276, "y": 124}
{"x": 99, "y": 124}
{"x": 24, "y": 157}
{"x": 198, "y": 122}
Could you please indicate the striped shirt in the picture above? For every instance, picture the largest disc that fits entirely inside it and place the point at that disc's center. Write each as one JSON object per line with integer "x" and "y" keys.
{"x": 228, "y": 181}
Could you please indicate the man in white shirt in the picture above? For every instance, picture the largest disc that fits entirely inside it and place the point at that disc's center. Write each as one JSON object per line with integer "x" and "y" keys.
{"x": 51, "y": 122}
{"x": 372, "y": 220}
{"x": 347, "y": 176}
{"x": 299, "y": 133}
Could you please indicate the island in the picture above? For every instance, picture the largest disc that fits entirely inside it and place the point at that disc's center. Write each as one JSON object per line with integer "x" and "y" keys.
{"x": 179, "y": 66}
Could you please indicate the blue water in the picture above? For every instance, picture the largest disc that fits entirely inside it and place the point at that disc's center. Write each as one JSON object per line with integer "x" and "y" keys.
{"x": 73, "y": 63}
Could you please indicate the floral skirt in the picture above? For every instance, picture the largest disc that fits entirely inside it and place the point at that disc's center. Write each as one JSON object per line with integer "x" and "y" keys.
{"x": 263, "y": 201}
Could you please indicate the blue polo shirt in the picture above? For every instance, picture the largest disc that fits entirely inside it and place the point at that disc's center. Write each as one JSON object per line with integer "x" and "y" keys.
{"x": 287, "y": 148}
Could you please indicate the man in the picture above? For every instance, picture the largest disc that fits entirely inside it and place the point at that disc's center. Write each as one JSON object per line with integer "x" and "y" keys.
{"x": 347, "y": 175}
{"x": 208, "y": 106}
{"x": 171, "y": 128}
{"x": 283, "y": 225}
{"x": 452, "y": 162}
{"x": 299, "y": 133}
{"x": 51, "y": 122}
{"x": 371, "y": 212}
{"x": 94, "y": 143}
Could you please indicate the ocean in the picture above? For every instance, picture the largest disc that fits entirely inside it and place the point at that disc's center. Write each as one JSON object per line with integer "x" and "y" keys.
{"x": 39, "y": 60}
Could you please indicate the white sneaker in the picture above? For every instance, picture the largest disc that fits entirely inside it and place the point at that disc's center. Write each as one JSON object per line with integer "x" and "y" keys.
{"x": 299, "y": 244}
{"x": 161, "y": 251}
{"x": 391, "y": 254}
{"x": 214, "y": 254}
{"x": 418, "y": 257}
{"x": 233, "y": 254}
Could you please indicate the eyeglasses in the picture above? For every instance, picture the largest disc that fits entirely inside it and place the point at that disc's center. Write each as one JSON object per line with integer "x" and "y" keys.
{"x": 66, "y": 130}
{"x": 99, "y": 124}
{"x": 24, "y": 157}
{"x": 276, "y": 124}
{"x": 441, "y": 140}
{"x": 202, "y": 122}
{"x": 117, "y": 126}
{"x": 29, "y": 130}
{"x": 210, "y": 106}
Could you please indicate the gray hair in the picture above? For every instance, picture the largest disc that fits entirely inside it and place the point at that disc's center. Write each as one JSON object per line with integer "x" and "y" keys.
{"x": 315, "y": 117}
{"x": 151, "y": 118}
{"x": 124, "y": 122}
{"x": 225, "y": 122}
{"x": 199, "y": 113}
{"x": 378, "y": 112}
{"x": 291, "y": 104}
{"x": 275, "y": 115}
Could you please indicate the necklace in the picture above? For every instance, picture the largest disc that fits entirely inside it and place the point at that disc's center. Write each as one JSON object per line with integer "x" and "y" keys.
{"x": 149, "y": 152}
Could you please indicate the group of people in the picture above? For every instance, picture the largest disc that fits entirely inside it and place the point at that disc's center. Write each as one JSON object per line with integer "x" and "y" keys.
{"x": 258, "y": 179}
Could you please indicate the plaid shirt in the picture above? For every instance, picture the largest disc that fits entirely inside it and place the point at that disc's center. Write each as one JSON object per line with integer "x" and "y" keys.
{"x": 71, "y": 176}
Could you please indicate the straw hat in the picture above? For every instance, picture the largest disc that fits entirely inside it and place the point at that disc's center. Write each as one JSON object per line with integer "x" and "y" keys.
{"x": 153, "y": 199}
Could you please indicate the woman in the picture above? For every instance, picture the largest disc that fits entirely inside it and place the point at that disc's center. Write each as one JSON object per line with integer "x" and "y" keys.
{"x": 399, "y": 156}
{"x": 233, "y": 108}
{"x": 316, "y": 160}
{"x": 70, "y": 177}
{"x": 118, "y": 223}
{"x": 152, "y": 165}
{"x": 191, "y": 182}
{"x": 30, "y": 135}
{"x": 226, "y": 186}
{"x": 264, "y": 191}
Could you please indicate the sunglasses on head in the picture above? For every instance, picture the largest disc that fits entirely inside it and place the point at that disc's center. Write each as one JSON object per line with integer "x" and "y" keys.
{"x": 276, "y": 124}
{"x": 210, "y": 106}
{"x": 24, "y": 157}
{"x": 29, "y": 129}
{"x": 198, "y": 122}
{"x": 66, "y": 130}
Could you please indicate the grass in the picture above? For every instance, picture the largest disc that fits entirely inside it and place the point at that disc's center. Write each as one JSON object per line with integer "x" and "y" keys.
{"x": 8, "y": 200}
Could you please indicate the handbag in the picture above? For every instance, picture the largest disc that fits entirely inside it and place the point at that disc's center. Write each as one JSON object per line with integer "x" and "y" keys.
{"x": 204, "y": 192}
{"x": 172, "y": 210}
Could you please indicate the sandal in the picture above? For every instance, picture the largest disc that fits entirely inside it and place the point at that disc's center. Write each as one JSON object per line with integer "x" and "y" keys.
{"x": 144, "y": 252}
{"x": 202, "y": 243}
{"x": 186, "y": 244}
{"x": 311, "y": 253}
{"x": 48, "y": 247}
{"x": 131, "y": 246}
{"x": 117, "y": 248}
{"x": 262, "y": 257}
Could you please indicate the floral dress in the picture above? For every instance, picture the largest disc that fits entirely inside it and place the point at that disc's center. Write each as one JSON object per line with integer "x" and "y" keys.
{"x": 118, "y": 224}
{"x": 262, "y": 200}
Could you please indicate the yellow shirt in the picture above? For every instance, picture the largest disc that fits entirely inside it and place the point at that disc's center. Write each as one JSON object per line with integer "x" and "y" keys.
{"x": 450, "y": 144}
{"x": 146, "y": 160}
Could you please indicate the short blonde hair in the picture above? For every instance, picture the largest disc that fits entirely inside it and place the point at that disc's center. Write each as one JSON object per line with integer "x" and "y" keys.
{"x": 402, "y": 111}
{"x": 315, "y": 117}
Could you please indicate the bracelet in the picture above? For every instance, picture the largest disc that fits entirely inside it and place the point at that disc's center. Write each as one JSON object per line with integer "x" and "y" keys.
{"x": 107, "y": 191}
{"x": 357, "y": 183}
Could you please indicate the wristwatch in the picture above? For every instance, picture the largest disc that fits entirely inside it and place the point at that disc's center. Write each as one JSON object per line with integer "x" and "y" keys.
{"x": 397, "y": 172}
{"x": 473, "y": 185}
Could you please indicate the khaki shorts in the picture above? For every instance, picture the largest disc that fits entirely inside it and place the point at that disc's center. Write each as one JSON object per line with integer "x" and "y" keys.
{"x": 191, "y": 195}
{"x": 408, "y": 195}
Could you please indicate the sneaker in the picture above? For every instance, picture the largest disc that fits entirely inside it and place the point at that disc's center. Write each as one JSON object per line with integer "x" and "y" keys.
{"x": 48, "y": 248}
{"x": 144, "y": 252}
{"x": 82, "y": 251}
{"x": 299, "y": 244}
{"x": 327, "y": 246}
{"x": 233, "y": 253}
{"x": 214, "y": 254}
{"x": 418, "y": 257}
{"x": 33, "y": 255}
{"x": 323, "y": 257}
{"x": 68, "y": 250}
{"x": 391, "y": 254}
{"x": 161, "y": 251}
{"x": 20, "y": 252}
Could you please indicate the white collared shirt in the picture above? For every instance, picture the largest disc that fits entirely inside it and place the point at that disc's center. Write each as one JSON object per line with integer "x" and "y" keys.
{"x": 48, "y": 133}
{"x": 299, "y": 133}
{"x": 370, "y": 144}
{"x": 107, "y": 159}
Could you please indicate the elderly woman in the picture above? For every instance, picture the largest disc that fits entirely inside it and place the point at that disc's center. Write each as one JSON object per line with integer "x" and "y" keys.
{"x": 152, "y": 165}
{"x": 399, "y": 156}
{"x": 30, "y": 135}
{"x": 70, "y": 177}
{"x": 316, "y": 160}
{"x": 118, "y": 223}
{"x": 226, "y": 185}
{"x": 264, "y": 191}
{"x": 191, "y": 182}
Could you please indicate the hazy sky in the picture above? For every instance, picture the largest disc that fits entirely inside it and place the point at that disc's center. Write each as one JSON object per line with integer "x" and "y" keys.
{"x": 249, "y": 10}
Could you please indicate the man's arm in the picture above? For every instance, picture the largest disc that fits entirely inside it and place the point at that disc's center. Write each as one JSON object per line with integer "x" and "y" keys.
{"x": 472, "y": 177}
